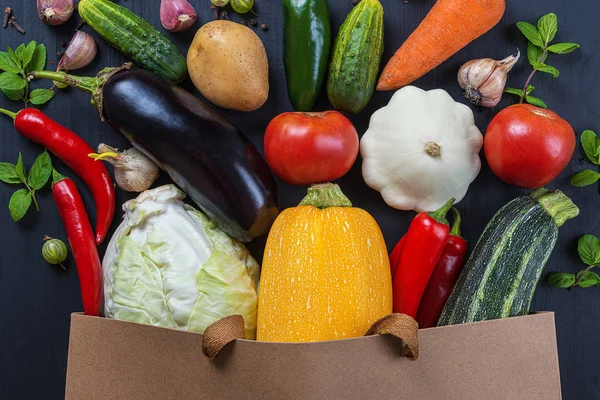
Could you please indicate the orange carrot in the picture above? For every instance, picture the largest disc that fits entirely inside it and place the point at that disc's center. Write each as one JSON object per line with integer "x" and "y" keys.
{"x": 449, "y": 26}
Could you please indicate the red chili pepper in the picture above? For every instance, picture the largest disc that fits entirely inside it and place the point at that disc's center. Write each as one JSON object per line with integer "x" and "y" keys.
{"x": 81, "y": 239}
{"x": 444, "y": 277}
{"x": 423, "y": 245}
{"x": 73, "y": 151}
{"x": 395, "y": 256}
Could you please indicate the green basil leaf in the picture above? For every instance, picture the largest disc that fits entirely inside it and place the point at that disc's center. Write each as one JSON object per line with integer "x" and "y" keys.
{"x": 531, "y": 33}
{"x": 561, "y": 280}
{"x": 563, "y": 48}
{"x": 584, "y": 178}
{"x": 38, "y": 61}
{"x": 587, "y": 247}
{"x": 548, "y": 26}
{"x": 14, "y": 95}
{"x": 19, "y": 204}
{"x": 8, "y": 173}
{"x": 40, "y": 171}
{"x": 514, "y": 91}
{"x": 11, "y": 81}
{"x": 28, "y": 52}
{"x": 548, "y": 69}
{"x": 591, "y": 146}
{"x": 535, "y": 55}
{"x": 8, "y": 64}
{"x": 588, "y": 279}
{"x": 530, "y": 89}
{"x": 41, "y": 96}
{"x": 535, "y": 101}
{"x": 20, "y": 169}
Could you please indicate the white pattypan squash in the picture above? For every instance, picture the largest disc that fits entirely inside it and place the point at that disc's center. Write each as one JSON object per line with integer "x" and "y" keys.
{"x": 421, "y": 150}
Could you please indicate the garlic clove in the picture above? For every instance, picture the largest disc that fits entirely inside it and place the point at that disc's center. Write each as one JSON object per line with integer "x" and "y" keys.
{"x": 177, "y": 15}
{"x": 55, "y": 12}
{"x": 81, "y": 52}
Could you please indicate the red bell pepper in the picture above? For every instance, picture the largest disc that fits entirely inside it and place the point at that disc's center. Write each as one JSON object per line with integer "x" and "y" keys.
{"x": 444, "y": 277}
{"x": 423, "y": 245}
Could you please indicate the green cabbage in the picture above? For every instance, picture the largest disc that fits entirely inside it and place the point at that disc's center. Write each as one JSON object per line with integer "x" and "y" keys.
{"x": 168, "y": 265}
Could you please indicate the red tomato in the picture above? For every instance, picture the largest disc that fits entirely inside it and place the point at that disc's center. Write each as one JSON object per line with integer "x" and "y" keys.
{"x": 527, "y": 146}
{"x": 304, "y": 148}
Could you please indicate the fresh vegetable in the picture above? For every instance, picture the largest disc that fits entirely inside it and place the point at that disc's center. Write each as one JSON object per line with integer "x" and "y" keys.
{"x": 423, "y": 246}
{"x": 16, "y": 64}
{"x": 483, "y": 80}
{"x": 229, "y": 66}
{"x": 527, "y": 146}
{"x": 444, "y": 276}
{"x": 15, "y": 174}
{"x": 590, "y": 142}
{"x": 588, "y": 248}
{"x": 421, "y": 149}
{"x": 305, "y": 148}
{"x": 54, "y": 251}
{"x": 538, "y": 48}
{"x": 134, "y": 37}
{"x": 503, "y": 270}
{"x": 242, "y": 6}
{"x": 177, "y": 15}
{"x": 80, "y": 53}
{"x": 55, "y": 12}
{"x": 325, "y": 272}
{"x": 395, "y": 255}
{"x": 134, "y": 172}
{"x": 195, "y": 145}
{"x": 306, "y": 45}
{"x": 169, "y": 265}
{"x": 356, "y": 57}
{"x": 449, "y": 26}
{"x": 73, "y": 151}
{"x": 81, "y": 239}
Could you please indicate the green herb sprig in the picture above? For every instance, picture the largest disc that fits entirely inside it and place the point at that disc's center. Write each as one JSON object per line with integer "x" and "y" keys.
{"x": 591, "y": 146}
{"x": 16, "y": 64}
{"x": 538, "y": 47}
{"x": 588, "y": 248}
{"x": 15, "y": 174}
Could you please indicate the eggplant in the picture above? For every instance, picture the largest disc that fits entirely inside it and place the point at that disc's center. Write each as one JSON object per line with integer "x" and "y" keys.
{"x": 203, "y": 153}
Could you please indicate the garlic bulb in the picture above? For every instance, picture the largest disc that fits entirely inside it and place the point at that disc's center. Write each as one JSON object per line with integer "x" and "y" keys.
{"x": 484, "y": 79}
{"x": 55, "y": 12}
{"x": 177, "y": 15}
{"x": 134, "y": 172}
{"x": 81, "y": 51}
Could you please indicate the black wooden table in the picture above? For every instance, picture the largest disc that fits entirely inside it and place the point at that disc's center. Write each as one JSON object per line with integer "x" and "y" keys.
{"x": 36, "y": 299}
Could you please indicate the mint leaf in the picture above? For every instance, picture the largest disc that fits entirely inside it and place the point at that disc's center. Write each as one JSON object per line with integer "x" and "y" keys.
{"x": 11, "y": 81}
{"x": 41, "y": 96}
{"x": 591, "y": 146}
{"x": 19, "y": 204}
{"x": 588, "y": 279}
{"x": 514, "y": 91}
{"x": 28, "y": 53}
{"x": 14, "y": 94}
{"x": 535, "y": 101}
{"x": 534, "y": 55}
{"x": 40, "y": 171}
{"x": 8, "y": 173}
{"x": 563, "y": 48}
{"x": 7, "y": 63}
{"x": 585, "y": 178}
{"x": 38, "y": 61}
{"x": 20, "y": 169}
{"x": 531, "y": 33}
{"x": 587, "y": 247}
{"x": 561, "y": 280}
{"x": 548, "y": 69}
{"x": 530, "y": 89}
{"x": 18, "y": 54}
{"x": 548, "y": 26}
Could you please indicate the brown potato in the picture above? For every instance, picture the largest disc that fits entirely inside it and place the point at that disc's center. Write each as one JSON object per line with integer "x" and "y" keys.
{"x": 228, "y": 64}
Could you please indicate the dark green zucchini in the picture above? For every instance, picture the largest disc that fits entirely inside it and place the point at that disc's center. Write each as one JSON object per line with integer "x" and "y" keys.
{"x": 134, "y": 37}
{"x": 502, "y": 273}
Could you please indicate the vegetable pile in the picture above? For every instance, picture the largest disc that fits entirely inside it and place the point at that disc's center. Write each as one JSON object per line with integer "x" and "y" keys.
{"x": 326, "y": 271}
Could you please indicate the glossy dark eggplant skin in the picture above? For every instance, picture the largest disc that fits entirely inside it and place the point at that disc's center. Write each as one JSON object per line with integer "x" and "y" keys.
{"x": 204, "y": 153}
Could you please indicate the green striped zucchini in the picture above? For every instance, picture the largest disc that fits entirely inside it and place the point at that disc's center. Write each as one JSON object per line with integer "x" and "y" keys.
{"x": 502, "y": 273}
{"x": 356, "y": 57}
{"x": 135, "y": 38}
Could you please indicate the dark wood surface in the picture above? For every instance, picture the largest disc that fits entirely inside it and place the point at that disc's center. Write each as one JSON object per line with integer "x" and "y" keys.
{"x": 36, "y": 299}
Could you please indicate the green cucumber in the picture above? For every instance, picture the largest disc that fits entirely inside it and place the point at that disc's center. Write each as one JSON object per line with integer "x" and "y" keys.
{"x": 356, "y": 57}
{"x": 135, "y": 38}
{"x": 501, "y": 275}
